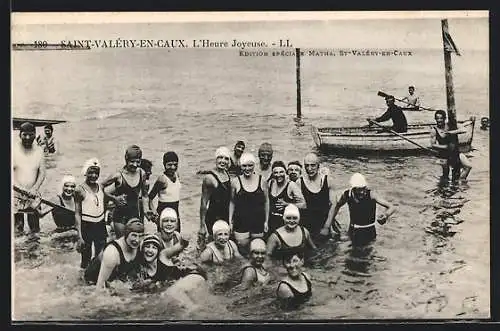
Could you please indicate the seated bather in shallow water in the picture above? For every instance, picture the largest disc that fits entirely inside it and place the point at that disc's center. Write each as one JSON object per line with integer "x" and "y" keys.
{"x": 222, "y": 249}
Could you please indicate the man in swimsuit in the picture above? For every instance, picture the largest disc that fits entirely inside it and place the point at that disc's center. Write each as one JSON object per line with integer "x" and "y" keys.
{"x": 48, "y": 143}
{"x": 394, "y": 113}
{"x": 412, "y": 100}
{"x": 362, "y": 210}
{"x": 168, "y": 186}
{"x": 446, "y": 142}
{"x": 64, "y": 219}
{"x": 119, "y": 259}
{"x": 249, "y": 204}
{"x": 235, "y": 167}
{"x": 28, "y": 169}
{"x": 89, "y": 213}
{"x": 294, "y": 170}
{"x": 318, "y": 191}
{"x": 215, "y": 195}
{"x": 129, "y": 183}
{"x": 265, "y": 155}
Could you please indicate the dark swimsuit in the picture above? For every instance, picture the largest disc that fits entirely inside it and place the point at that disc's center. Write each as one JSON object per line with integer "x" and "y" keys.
{"x": 298, "y": 297}
{"x": 362, "y": 213}
{"x": 249, "y": 213}
{"x": 64, "y": 219}
{"x": 122, "y": 214}
{"x": 318, "y": 206}
{"x": 218, "y": 208}
{"x": 286, "y": 249}
{"x": 275, "y": 214}
{"x": 165, "y": 272}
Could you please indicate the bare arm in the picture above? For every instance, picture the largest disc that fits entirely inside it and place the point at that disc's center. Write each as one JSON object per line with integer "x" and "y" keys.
{"x": 110, "y": 259}
{"x": 342, "y": 201}
{"x": 309, "y": 240}
{"x": 390, "y": 207}
{"x": 234, "y": 188}
{"x": 79, "y": 196}
{"x": 284, "y": 292}
{"x": 144, "y": 193}
{"x": 206, "y": 256}
{"x": 272, "y": 244}
{"x": 248, "y": 278}
{"x": 237, "y": 253}
{"x": 157, "y": 187}
{"x": 113, "y": 179}
{"x": 296, "y": 193}
{"x": 41, "y": 173}
{"x": 266, "y": 203}
{"x": 207, "y": 188}
{"x": 331, "y": 194}
{"x": 44, "y": 211}
{"x": 384, "y": 117}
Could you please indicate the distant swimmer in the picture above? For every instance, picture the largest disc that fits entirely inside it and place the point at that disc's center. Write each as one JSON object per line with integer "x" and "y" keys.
{"x": 64, "y": 219}
{"x": 89, "y": 213}
{"x": 254, "y": 273}
{"x": 129, "y": 183}
{"x": 318, "y": 191}
{"x": 291, "y": 237}
{"x": 446, "y": 142}
{"x": 119, "y": 260}
{"x": 249, "y": 205}
{"x": 362, "y": 204}
{"x": 296, "y": 288}
{"x": 394, "y": 113}
{"x": 222, "y": 249}
{"x": 412, "y": 100}
{"x": 48, "y": 143}
{"x": 215, "y": 194}
{"x": 168, "y": 186}
{"x": 235, "y": 167}
{"x": 28, "y": 169}
{"x": 294, "y": 170}
{"x": 282, "y": 191}
{"x": 265, "y": 155}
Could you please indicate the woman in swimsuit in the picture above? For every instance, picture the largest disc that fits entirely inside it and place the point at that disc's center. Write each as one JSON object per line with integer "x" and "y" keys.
{"x": 291, "y": 237}
{"x": 222, "y": 249}
{"x": 172, "y": 240}
{"x": 296, "y": 287}
{"x": 254, "y": 273}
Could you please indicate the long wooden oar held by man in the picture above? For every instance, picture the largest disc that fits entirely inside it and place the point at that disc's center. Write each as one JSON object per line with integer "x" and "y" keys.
{"x": 47, "y": 202}
{"x": 414, "y": 108}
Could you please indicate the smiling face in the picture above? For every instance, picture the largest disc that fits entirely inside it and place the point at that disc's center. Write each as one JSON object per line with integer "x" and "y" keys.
{"x": 222, "y": 162}
{"x": 69, "y": 189}
{"x": 293, "y": 266}
{"x": 311, "y": 164}
{"x": 150, "y": 251}
{"x": 238, "y": 150}
{"x": 294, "y": 172}
{"x": 440, "y": 120}
{"x": 171, "y": 167}
{"x": 279, "y": 173}
{"x": 92, "y": 175}
{"x": 48, "y": 132}
{"x": 133, "y": 164}
{"x": 291, "y": 221}
{"x": 133, "y": 239}
{"x": 247, "y": 169}
{"x": 27, "y": 138}
{"x": 221, "y": 238}
{"x": 168, "y": 224}
{"x": 411, "y": 90}
{"x": 257, "y": 257}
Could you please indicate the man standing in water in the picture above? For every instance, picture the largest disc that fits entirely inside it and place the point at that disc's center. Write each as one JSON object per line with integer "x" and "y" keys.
{"x": 265, "y": 157}
{"x": 446, "y": 142}
{"x": 317, "y": 189}
{"x": 28, "y": 170}
{"x": 235, "y": 167}
{"x": 48, "y": 143}
{"x": 412, "y": 100}
{"x": 215, "y": 194}
{"x": 394, "y": 113}
{"x": 362, "y": 204}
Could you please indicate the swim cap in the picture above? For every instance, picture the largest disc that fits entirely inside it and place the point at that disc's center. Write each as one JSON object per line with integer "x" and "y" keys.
{"x": 240, "y": 143}
{"x": 68, "y": 179}
{"x": 257, "y": 243}
{"x": 247, "y": 158}
{"x": 93, "y": 162}
{"x": 222, "y": 151}
{"x": 27, "y": 127}
{"x": 152, "y": 239}
{"x": 133, "y": 152}
{"x": 266, "y": 147}
{"x": 168, "y": 213}
{"x": 358, "y": 180}
{"x": 277, "y": 164}
{"x": 220, "y": 225}
{"x": 295, "y": 163}
{"x": 170, "y": 157}
{"x": 291, "y": 210}
{"x": 133, "y": 225}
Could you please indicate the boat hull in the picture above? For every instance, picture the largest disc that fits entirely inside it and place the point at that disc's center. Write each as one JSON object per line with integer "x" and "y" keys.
{"x": 17, "y": 121}
{"x": 366, "y": 139}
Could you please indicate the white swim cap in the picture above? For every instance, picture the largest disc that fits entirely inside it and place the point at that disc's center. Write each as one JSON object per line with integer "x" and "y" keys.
{"x": 291, "y": 210}
{"x": 68, "y": 179}
{"x": 247, "y": 158}
{"x": 358, "y": 180}
{"x": 222, "y": 151}
{"x": 93, "y": 162}
{"x": 257, "y": 244}
{"x": 168, "y": 213}
{"x": 220, "y": 225}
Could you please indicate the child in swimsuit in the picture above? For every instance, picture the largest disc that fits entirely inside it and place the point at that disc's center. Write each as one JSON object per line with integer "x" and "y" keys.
{"x": 222, "y": 249}
{"x": 296, "y": 287}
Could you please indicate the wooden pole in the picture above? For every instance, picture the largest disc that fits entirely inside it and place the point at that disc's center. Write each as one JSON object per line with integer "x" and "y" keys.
{"x": 450, "y": 92}
{"x": 297, "y": 70}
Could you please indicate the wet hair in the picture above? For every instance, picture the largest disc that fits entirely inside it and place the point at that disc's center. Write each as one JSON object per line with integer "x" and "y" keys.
{"x": 170, "y": 157}
{"x": 146, "y": 164}
{"x": 49, "y": 126}
{"x": 278, "y": 164}
{"x": 295, "y": 162}
{"x": 27, "y": 127}
{"x": 265, "y": 147}
{"x": 287, "y": 256}
{"x": 440, "y": 111}
{"x": 240, "y": 143}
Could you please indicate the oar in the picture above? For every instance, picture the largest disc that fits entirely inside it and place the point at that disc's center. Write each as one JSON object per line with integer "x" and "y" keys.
{"x": 385, "y": 95}
{"x": 403, "y": 137}
{"x": 47, "y": 202}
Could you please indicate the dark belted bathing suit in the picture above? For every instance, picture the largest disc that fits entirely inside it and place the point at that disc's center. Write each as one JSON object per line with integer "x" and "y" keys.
{"x": 218, "y": 207}
{"x": 318, "y": 206}
{"x": 249, "y": 212}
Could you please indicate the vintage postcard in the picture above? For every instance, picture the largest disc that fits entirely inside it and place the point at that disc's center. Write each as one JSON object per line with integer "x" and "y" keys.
{"x": 254, "y": 166}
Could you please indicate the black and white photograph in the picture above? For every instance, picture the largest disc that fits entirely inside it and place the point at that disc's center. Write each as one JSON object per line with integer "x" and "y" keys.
{"x": 250, "y": 166}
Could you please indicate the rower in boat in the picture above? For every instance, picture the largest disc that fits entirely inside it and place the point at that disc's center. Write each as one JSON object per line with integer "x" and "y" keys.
{"x": 411, "y": 100}
{"x": 48, "y": 143}
{"x": 446, "y": 142}
{"x": 393, "y": 112}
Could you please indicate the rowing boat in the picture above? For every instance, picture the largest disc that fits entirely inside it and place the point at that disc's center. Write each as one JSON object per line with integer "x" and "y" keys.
{"x": 17, "y": 121}
{"x": 351, "y": 140}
